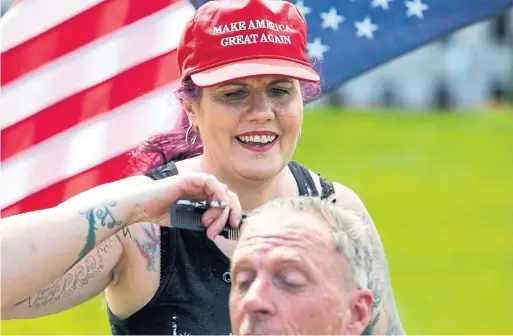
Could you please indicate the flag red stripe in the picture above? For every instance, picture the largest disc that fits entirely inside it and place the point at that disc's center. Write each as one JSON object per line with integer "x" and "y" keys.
{"x": 74, "y": 33}
{"x": 89, "y": 103}
{"x": 57, "y": 193}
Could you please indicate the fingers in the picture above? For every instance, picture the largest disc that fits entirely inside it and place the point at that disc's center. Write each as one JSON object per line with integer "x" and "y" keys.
{"x": 216, "y": 220}
{"x": 210, "y": 187}
{"x": 236, "y": 210}
{"x": 210, "y": 215}
{"x": 218, "y": 224}
{"x": 207, "y": 187}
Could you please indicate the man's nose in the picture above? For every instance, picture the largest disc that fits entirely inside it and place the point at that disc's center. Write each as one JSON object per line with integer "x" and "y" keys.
{"x": 258, "y": 299}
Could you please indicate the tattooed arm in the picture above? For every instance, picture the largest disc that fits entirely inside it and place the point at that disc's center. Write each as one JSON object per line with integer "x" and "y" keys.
{"x": 88, "y": 278}
{"x": 385, "y": 318}
{"x": 56, "y": 246}
{"x": 61, "y": 247}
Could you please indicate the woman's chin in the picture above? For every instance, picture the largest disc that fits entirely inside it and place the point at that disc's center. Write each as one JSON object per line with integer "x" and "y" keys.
{"x": 259, "y": 170}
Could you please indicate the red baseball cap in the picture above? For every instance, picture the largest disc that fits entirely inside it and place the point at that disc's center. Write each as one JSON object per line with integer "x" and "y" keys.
{"x": 234, "y": 39}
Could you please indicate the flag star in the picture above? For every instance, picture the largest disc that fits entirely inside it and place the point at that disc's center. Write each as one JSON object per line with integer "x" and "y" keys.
{"x": 302, "y": 8}
{"x": 316, "y": 49}
{"x": 381, "y": 3}
{"x": 365, "y": 28}
{"x": 416, "y": 7}
{"x": 331, "y": 19}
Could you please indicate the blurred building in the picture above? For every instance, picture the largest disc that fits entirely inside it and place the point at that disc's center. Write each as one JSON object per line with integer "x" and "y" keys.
{"x": 4, "y": 5}
{"x": 468, "y": 69}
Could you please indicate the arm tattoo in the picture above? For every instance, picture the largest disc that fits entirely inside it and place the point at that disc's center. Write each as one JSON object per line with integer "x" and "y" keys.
{"x": 377, "y": 296}
{"x": 70, "y": 282}
{"x": 126, "y": 232}
{"x": 394, "y": 327}
{"x": 96, "y": 218}
{"x": 149, "y": 248}
{"x": 384, "y": 318}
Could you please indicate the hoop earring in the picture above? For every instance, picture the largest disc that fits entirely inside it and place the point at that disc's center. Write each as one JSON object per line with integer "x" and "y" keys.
{"x": 187, "y": 136}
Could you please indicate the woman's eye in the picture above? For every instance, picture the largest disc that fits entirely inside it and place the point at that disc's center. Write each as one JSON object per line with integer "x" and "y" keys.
{"x": 234, "y": 95}
{"x": 279, "y": 92}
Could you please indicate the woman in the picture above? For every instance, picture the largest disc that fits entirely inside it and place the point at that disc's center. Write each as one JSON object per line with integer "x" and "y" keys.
{"x": 244, "y": 76}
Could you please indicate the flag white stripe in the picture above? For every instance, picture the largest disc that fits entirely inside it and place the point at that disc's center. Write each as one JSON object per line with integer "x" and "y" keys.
{"x": 43, "y": 15}
{"x": 88, "y": 144}
{"x": 102, "y": 59}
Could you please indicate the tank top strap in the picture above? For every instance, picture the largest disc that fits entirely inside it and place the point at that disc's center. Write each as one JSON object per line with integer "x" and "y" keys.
{"x": 304, "y": 180}
{"x": 166, "y": 170}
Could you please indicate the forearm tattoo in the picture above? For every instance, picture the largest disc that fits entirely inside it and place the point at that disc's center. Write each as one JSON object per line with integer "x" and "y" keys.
{"x": 71, "y": 281}
{"x": 97, "y": 218}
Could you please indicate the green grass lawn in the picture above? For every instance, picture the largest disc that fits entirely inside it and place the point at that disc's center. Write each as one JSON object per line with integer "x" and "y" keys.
{"x": 440, "y": 189}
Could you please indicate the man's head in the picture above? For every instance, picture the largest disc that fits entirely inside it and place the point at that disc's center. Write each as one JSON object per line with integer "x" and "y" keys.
{"x": 301, "y": 267}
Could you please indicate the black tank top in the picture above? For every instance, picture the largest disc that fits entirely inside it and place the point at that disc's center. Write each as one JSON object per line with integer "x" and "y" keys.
{"x": 192, "y": 298}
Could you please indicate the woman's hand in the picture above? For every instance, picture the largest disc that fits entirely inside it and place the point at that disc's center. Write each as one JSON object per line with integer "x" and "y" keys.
{"x": 191, "y": 186}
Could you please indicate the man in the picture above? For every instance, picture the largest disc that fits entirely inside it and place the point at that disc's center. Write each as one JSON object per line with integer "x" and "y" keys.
{"x": 301, "y": 266}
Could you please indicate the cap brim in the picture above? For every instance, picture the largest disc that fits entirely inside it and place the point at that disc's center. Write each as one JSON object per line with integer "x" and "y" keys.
{"x": 254, "y": 67}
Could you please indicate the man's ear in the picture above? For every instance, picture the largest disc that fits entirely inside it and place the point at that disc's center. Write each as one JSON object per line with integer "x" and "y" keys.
{"x": 360, "y": 305}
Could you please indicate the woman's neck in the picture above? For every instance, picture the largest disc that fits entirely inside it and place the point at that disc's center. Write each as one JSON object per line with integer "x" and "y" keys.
{"x": 251, "y": 193}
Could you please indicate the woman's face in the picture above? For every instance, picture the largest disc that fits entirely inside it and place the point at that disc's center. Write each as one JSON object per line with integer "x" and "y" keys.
{"x": 250, "y": 127}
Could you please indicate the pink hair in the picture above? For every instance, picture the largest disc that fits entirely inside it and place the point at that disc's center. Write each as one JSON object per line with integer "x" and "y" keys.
{"x": 171, "y": 146}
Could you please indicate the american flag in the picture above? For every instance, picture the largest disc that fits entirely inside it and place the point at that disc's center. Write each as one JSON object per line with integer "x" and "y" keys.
{"x": 350, "y": 37}
{"x": 85, "y": 81}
